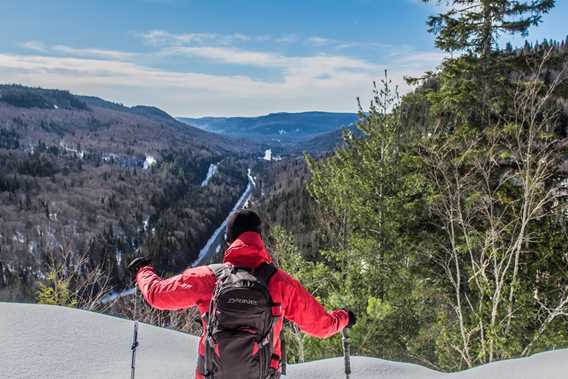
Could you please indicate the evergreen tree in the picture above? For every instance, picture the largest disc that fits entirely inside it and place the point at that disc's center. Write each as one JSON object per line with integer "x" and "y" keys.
{"x": 474, "y": 25}
{"x": 56, "y": 291}
{"x": 368, "y": 190}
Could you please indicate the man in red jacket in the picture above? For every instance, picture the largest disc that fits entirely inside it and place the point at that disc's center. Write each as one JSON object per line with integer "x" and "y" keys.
{"x": 195, "y": 287}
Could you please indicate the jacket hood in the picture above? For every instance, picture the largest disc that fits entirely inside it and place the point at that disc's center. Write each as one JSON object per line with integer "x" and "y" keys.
{"x": 248, "y": 251}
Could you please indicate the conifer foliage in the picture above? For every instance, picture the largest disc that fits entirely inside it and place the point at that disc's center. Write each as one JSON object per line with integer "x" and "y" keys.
{"x": 474, "y": 25}
{"x": 446, "y": 221}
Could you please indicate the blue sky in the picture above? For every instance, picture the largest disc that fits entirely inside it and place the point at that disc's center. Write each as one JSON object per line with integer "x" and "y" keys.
{"x": 223, "y": 57}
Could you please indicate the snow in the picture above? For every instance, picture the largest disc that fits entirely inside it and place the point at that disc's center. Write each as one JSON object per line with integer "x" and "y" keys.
{"x": 251, "y": 178}
{"x": 118, "y": 256}
{"x": 267, "y": 155}
{"x": 33, "y": 247}
{"x": 19, "y": 237}
{"x": 79, "y": 154}
{"x": 149, "y": 162}
{"x": 110, "y": 157}
{"x": 361, "y": 367}
{"x": 210, "y": 173}
{"x": 45, "y": 341}
{"x": 41, "y": 341}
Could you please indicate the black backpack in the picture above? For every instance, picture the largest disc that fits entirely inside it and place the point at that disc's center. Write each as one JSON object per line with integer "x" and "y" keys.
{"x": 239, "y": 337}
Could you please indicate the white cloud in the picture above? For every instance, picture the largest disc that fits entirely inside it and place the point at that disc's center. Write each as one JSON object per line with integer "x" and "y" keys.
{"x": 308, "y": 83}
{"x": 159, "y": 38}
{"x": 286, "y": 39}
{"x": 318, "y": 41}
{"x": 92, "y": 53}
{"x": 34, "y": 45}
{"x": 419, "y": 58}
{"x": 77, "y": 52}
{"x": 230, "y": 55}
{"x": 318, "y": 81}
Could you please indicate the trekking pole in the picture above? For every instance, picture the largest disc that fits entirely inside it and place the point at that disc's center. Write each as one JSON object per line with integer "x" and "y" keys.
{"x": 134, "y": 337}
{"x": 346, "y": 352}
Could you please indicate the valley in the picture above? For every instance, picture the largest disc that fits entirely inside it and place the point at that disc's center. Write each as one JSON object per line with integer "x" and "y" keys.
{"x": 88, "y": 184}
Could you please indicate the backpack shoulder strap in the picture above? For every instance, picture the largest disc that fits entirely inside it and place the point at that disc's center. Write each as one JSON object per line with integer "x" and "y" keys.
{"x": 264, "y": 272}
{"x": 218, "y": 269}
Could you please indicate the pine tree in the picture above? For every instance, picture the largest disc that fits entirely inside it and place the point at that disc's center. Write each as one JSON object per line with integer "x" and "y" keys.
{"x": 473, "y": 25}
{"x": 509, "y": 48}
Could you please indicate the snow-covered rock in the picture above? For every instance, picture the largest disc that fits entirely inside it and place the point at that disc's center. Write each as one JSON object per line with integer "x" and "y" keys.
{"x": 43, "y": 341}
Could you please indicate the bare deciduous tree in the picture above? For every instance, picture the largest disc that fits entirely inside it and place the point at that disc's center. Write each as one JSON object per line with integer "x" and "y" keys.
{"x": 491, "y": 186}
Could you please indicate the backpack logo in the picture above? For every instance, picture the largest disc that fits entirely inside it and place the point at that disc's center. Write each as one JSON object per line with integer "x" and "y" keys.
{"x": 234, "y": 300}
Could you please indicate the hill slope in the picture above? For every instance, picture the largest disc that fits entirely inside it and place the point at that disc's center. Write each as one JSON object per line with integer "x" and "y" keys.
{"x": 40, "y": 341}
{"x": 96, "y": 124}
{"x": 84, "y": 175}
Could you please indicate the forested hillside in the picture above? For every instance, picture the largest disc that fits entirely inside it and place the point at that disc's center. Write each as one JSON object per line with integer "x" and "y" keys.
{"x": 277, "y": 129}
{"x": 445, "y": 225}
{"x": 84, "y": 183}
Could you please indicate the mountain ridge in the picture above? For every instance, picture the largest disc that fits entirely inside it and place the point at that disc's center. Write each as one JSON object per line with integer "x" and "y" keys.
{"x": 49, "y": 114}
{"x": 279, "y": 128}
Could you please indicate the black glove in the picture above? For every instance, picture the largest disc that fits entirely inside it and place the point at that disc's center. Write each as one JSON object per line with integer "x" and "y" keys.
{"x": 137, "y": 263}
{"x": 352, "y": 319}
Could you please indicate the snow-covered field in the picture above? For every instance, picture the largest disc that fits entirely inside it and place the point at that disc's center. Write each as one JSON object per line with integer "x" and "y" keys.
{"x": 42, "y": 341}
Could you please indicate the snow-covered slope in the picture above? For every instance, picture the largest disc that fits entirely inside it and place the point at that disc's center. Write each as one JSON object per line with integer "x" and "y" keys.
{"x": 40, "y": 341}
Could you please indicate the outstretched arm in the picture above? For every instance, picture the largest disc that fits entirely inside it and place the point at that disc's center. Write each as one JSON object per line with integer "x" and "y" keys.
{"x": 182, "y": 291}
{"x": 304, "y": 310}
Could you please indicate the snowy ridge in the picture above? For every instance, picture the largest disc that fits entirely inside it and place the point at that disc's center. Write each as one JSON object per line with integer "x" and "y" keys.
{"x": 44, "y": 341}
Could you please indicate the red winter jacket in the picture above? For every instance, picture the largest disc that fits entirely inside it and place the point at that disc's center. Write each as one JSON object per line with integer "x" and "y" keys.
{"x": 194, "y": 287}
